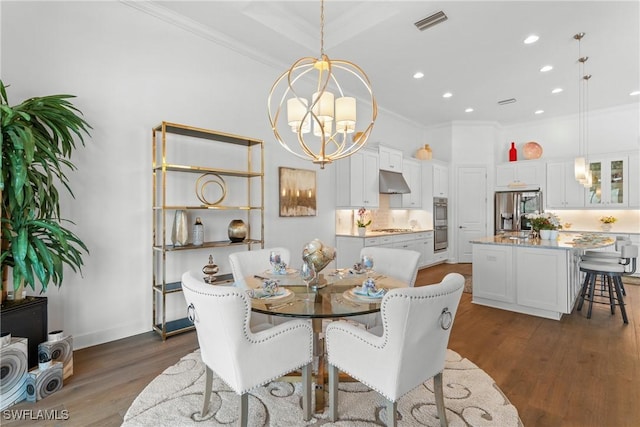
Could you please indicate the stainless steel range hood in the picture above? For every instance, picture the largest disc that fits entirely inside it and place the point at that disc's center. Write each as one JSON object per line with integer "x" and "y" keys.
{"x": 393, "y": 183}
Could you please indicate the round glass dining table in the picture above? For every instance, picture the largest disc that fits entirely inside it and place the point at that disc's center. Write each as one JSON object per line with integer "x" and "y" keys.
{"x": 334, "y": 299}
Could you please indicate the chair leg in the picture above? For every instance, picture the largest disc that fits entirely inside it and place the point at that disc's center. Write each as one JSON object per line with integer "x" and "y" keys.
{"x": 583, "y": 291}
{"x": 306, "y": 391}
{"x": 392, "y": 414}
{"x": 437, "y": 388}
{"x": 612, "y": 302}
{"x": 207, "y": 390}
{"x": 617, "y": 280}
{"x": 592, "y": 287}
{"x": 333, "y": 393}
{"x": 244, "y": 409}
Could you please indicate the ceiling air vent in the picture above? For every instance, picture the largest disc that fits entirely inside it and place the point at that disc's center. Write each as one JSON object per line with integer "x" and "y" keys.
{"x": 430, "y": 21}
{"x": 507, "y": 101}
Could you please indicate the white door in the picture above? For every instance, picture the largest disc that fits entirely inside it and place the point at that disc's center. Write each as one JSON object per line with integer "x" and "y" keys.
{"x": 471, "y": 209}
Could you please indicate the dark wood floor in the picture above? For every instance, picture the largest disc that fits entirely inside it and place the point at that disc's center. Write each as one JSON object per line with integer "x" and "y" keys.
{"x": 573, "y": 372}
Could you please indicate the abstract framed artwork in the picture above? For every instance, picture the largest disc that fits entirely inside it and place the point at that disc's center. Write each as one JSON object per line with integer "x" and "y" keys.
{"x": 297, "y": 192}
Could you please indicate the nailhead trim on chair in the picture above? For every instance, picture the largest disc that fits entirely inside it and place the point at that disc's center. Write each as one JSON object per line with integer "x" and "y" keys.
{"x": 246, "y": 331}
{"x": 385, "y": 299}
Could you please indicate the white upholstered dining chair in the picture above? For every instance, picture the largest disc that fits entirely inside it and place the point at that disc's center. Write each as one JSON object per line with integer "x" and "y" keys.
{"x": 248, "y": 263}
{"x": 416, "y": 327}
{"x": 401, "y": 264}
{"x": 244, "y": 359}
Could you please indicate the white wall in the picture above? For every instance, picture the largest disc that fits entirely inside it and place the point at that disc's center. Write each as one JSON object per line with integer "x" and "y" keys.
{"x": 610, "y": 130}
{"x": 130, "y": 71}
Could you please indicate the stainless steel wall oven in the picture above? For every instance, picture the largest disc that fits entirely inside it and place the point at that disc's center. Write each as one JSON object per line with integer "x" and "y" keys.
{"x": 440, "y": 221}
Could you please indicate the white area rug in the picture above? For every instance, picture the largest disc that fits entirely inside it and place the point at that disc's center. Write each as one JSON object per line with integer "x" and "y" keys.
{"x": 174, "y": 398}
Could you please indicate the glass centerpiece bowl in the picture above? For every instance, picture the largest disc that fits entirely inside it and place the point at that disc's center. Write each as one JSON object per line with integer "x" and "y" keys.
{"x": 316, "y": 253}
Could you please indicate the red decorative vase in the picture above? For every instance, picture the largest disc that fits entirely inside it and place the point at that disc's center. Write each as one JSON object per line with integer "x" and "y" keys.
{"x": 513, "y": 153}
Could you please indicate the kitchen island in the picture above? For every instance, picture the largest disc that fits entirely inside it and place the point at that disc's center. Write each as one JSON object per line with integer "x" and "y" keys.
{"x": 531, "y": 276}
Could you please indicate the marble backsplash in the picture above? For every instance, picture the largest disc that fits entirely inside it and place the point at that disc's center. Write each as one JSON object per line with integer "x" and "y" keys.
{"x": 628, "y": 221}
{"x": 384, "y": 217}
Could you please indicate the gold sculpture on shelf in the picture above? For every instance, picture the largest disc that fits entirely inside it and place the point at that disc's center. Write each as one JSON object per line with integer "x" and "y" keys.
{"x": 210, "y": 269}
{"x": 213, "y": 178}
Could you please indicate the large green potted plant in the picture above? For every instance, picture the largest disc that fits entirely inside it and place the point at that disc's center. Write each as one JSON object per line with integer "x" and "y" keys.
{"x": 37, "y": 139}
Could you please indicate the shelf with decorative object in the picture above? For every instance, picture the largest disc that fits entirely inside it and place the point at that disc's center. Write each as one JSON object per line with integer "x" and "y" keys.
{"x": 209, "y": 178}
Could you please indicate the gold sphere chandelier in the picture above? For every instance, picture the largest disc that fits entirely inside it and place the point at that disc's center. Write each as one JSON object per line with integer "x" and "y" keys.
{"x": 320, "y": 127}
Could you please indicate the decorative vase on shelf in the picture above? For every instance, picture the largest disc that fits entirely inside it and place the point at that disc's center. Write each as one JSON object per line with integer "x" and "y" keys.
{"x": 513, "y": 153}
{"x": 362, "y": 231}
{"x": 545, "y": 234}
{"x": 237, "y": 230}
{"x": 179, "y": 232}
{"x": 424, "y": 153}
{"x": 198, "y": 233}
{"x": 606, "y": 227}
{"x": 553, "y": 235}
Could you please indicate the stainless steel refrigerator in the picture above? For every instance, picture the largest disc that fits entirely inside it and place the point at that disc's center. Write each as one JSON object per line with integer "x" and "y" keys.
{"x": 511, "y": 208}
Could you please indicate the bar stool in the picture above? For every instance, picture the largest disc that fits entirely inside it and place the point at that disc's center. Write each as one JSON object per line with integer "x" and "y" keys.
{"x": 611, "y": 277}
{"x": 615, "y": 257}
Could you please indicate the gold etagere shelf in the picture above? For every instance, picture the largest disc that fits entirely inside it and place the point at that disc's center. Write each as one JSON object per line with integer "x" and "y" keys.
{"x": 163, "y": 171}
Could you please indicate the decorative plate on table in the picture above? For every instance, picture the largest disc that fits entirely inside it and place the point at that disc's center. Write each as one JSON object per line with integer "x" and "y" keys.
{"x": 287, "y": 272}
{"x": 353, "y": 295}
{"x": 532, "y": 150}
{"x": 259, "y": 294}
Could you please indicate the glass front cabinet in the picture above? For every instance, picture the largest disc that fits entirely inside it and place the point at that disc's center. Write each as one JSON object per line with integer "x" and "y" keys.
{"x": 610, "y": 182}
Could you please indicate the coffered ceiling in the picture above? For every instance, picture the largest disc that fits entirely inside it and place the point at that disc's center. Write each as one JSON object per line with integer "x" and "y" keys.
{"x": 477, "y": 54}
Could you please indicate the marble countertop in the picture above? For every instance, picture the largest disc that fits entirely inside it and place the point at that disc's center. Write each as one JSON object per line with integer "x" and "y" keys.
{"x": 382, "y": 233}
{"x": 566, "y": 241}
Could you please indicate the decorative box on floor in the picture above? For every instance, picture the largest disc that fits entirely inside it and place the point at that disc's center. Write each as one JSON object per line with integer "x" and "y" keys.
{"x": 58, "y": 348}
{"x": 13, "y": 372}
{"x": 26, "y": 318}
{"x": 47, "y": 381}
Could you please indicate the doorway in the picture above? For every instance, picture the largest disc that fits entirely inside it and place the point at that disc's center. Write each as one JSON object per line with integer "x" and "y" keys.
{"x": 471, "y": 218}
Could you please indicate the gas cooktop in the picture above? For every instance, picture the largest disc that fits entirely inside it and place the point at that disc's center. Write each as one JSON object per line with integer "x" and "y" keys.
{"x": 391, "y": 230}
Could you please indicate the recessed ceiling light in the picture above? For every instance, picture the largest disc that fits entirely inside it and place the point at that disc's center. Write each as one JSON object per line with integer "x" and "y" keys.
{"x": 546, "y": 68}
{"x": 531, "y": 39}
{"x": 557, "y": 90}
{"x": 635, "y": 92}
{"x": 469, "y": 110}
{"x": 418, "y": 75}
{"x": 539, "y": 112}
{"x": 447, "y": 95}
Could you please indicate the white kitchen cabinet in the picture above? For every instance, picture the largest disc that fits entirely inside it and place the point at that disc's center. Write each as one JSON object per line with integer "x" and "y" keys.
{"x": 357, "y": 181}
{"x": 425, "y": 241}
{"x": 610, "y": 182}
{"x": 440, "y": 180}
{"x": 634, "y": 181}
{"x": 493, "y": 276}
{"x": 390, "y": 159}
{"x": 439, "y": 257}
{"x": 542, "y": 279}
{"x": 528, "y": 173}
{"x": 563, "y": 191}
{"x": 412, "y": 173}
{"x": 348, "y": 247}
{"x": 535, "y": 280}
{"x": 408, "y": 242}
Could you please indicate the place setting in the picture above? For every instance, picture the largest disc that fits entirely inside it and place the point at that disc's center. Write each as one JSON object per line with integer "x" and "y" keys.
{"x": 370, "y": 290}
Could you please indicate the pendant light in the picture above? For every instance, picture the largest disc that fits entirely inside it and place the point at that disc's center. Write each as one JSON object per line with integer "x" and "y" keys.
{"x": 321, "y": 126}
{"x": 582, "y": 170}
